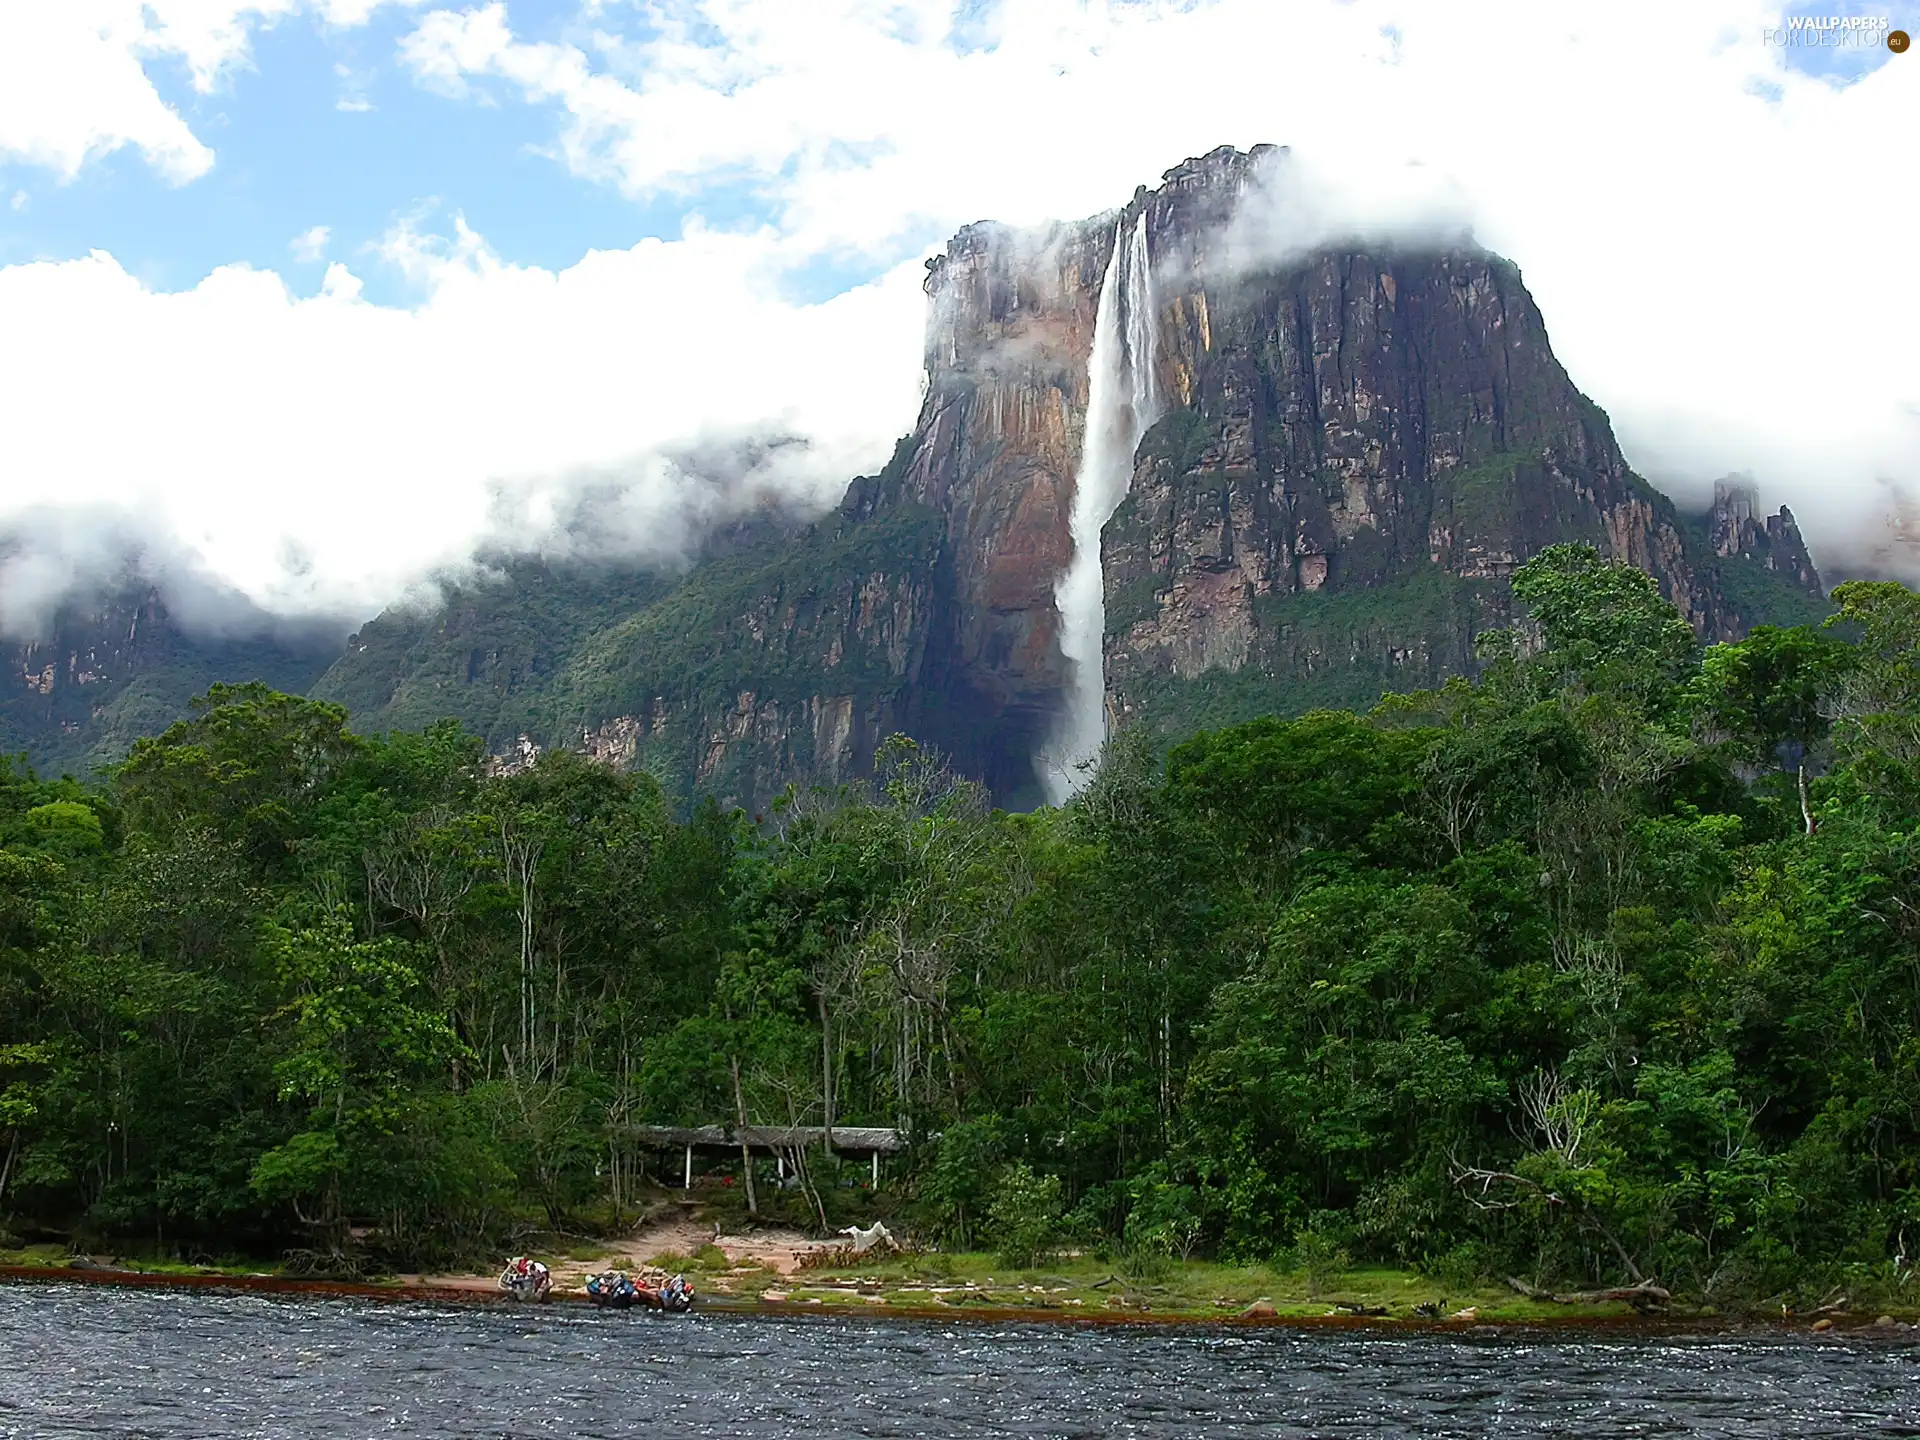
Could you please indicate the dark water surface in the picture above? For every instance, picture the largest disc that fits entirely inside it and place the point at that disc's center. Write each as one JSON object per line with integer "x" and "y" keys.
{"x": 83, "y": 1361}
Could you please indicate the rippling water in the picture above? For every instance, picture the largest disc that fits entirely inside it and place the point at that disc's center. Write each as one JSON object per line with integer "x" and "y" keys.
{"x": 78, "y": 1361}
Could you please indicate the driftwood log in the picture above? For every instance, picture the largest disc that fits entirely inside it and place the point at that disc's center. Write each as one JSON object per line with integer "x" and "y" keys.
{"x": 1354, "y": 1307}
{"x": 875, "y": 1236}
{"x": 1643, "y": 1297}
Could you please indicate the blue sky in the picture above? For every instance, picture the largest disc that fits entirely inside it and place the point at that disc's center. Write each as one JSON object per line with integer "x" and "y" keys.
{"x": 758, "y": 181}
{"x": 295, "y": 151}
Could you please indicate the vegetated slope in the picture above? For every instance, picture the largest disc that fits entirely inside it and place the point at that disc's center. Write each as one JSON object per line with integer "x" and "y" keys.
{"x": 488, "y": 652}
{"x": 120, "y": 666}
{"x": 1596, "y": 970}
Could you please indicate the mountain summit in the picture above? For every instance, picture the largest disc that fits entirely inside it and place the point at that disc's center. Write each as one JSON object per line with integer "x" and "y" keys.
{"x": 1349, "y": 451}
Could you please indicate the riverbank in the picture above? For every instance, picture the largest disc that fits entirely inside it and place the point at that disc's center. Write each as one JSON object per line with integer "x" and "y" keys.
{"x": 161, "y": 1363}
{"x": 769, "y": 1272}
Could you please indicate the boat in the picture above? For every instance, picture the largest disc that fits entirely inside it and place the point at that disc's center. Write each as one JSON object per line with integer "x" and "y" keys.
{"x": 613, "y": 1290}
{"x": 617, "y": 1290}
{"x": 526, "y": 1279}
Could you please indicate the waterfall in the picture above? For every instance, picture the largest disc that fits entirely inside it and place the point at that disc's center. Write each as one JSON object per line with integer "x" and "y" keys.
{"x": 1123, "y": 399}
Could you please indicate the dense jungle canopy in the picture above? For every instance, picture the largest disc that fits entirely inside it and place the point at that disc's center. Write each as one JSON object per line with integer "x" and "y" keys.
{"x": 1605, "y": 965}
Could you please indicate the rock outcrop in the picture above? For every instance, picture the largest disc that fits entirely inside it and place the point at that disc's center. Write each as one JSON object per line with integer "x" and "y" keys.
{"x": 1736, "y": 528}
{"x": 116, "y": 665}
{"x": 1361, "y": 444}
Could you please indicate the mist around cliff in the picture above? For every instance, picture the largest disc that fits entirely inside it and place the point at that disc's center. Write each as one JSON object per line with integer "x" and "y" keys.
{"x": 321, "y": 455}
{"x": 67, "y": 561}
{"x": 655, "y": 511}
{"x": 1299, "y": 203}
{"x": 1839, "y": 443}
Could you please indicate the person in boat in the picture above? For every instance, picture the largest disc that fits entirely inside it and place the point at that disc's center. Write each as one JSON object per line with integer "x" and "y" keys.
{"x": 617, "y": 1290}
{"x": 526, "y": 1279}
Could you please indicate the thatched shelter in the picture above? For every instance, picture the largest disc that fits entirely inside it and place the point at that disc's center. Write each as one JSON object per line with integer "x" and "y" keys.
{"x": 779, "y": 1141}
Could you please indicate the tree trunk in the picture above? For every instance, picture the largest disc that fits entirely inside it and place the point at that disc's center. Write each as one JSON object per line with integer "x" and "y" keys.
{"x": 807, "y": 1187}
{"x": 826, "y": 1077}
{"x": 1806, "y": 810}
{"x": 1166, "y": 1060}
{"x": 1643, "y": 1296}
{"x": 746, "y": 1151}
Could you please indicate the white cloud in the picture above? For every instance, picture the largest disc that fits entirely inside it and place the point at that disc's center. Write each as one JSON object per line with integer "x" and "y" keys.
{"x": 353, "y": 86}
{"x": 74, "y": 81}
{"x": 310, "y": 246}
{"x": 319, "y": 453}
{"x": 19, "y": 201}
{"x": 349, "y": 13}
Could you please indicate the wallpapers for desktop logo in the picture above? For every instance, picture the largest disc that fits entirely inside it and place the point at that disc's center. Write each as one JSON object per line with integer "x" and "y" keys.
{"x": 1837, "y": 32}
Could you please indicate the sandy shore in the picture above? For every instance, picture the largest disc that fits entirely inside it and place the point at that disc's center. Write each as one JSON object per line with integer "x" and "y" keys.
{"x": 481, "y": 1290}
{"x": 649, "y": 1250}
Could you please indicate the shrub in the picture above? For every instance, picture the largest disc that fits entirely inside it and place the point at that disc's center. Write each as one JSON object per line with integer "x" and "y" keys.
{"x": 1023, "y": 1216}
{"x": 1461, "y": 1268}
{"x": 1144, "y": 1264}
{"x": 1321, "y": 1259}
{"x": 1164, "y": 1220}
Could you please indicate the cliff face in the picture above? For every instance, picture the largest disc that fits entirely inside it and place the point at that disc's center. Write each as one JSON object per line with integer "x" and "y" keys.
{"x": 1358, "y": 447}
{"x": 791, "y": 660}
{"x": 118, "y": 665}
{"x": 1011, "y": 318}
{"x": 1735, "y": 528}
{"x": 786, "y": 653}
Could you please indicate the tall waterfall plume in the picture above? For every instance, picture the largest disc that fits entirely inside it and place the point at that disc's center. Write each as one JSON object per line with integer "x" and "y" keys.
{"x": 1123, "y": 399}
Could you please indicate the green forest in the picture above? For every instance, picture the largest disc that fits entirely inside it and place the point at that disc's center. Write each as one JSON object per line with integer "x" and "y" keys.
{"x": 1601, "y": 967}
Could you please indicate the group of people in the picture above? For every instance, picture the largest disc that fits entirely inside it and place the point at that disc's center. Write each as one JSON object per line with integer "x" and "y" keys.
{"x": 618, "y": 1290}
{"x": 528, "y": 1279}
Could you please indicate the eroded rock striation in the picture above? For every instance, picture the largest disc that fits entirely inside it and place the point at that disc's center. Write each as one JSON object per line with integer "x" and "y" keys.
{"x": 102, "y": 671}
{"x": 1359, "y": 445}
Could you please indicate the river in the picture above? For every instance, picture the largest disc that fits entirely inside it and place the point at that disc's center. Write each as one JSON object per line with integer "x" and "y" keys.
{"x": 83, "y": 1361}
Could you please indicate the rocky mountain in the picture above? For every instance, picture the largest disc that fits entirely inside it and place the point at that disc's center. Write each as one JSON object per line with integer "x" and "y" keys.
{"x": 1320, "y": 468}
{"x": 1359, "y": 447}
{"x": 119, "y": 664}
{"x": 791, "y": 655}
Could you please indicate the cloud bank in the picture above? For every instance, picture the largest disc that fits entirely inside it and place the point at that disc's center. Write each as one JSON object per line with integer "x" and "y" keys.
{"x": 320, "y": 452}
{"x": 1711, "y": 233}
